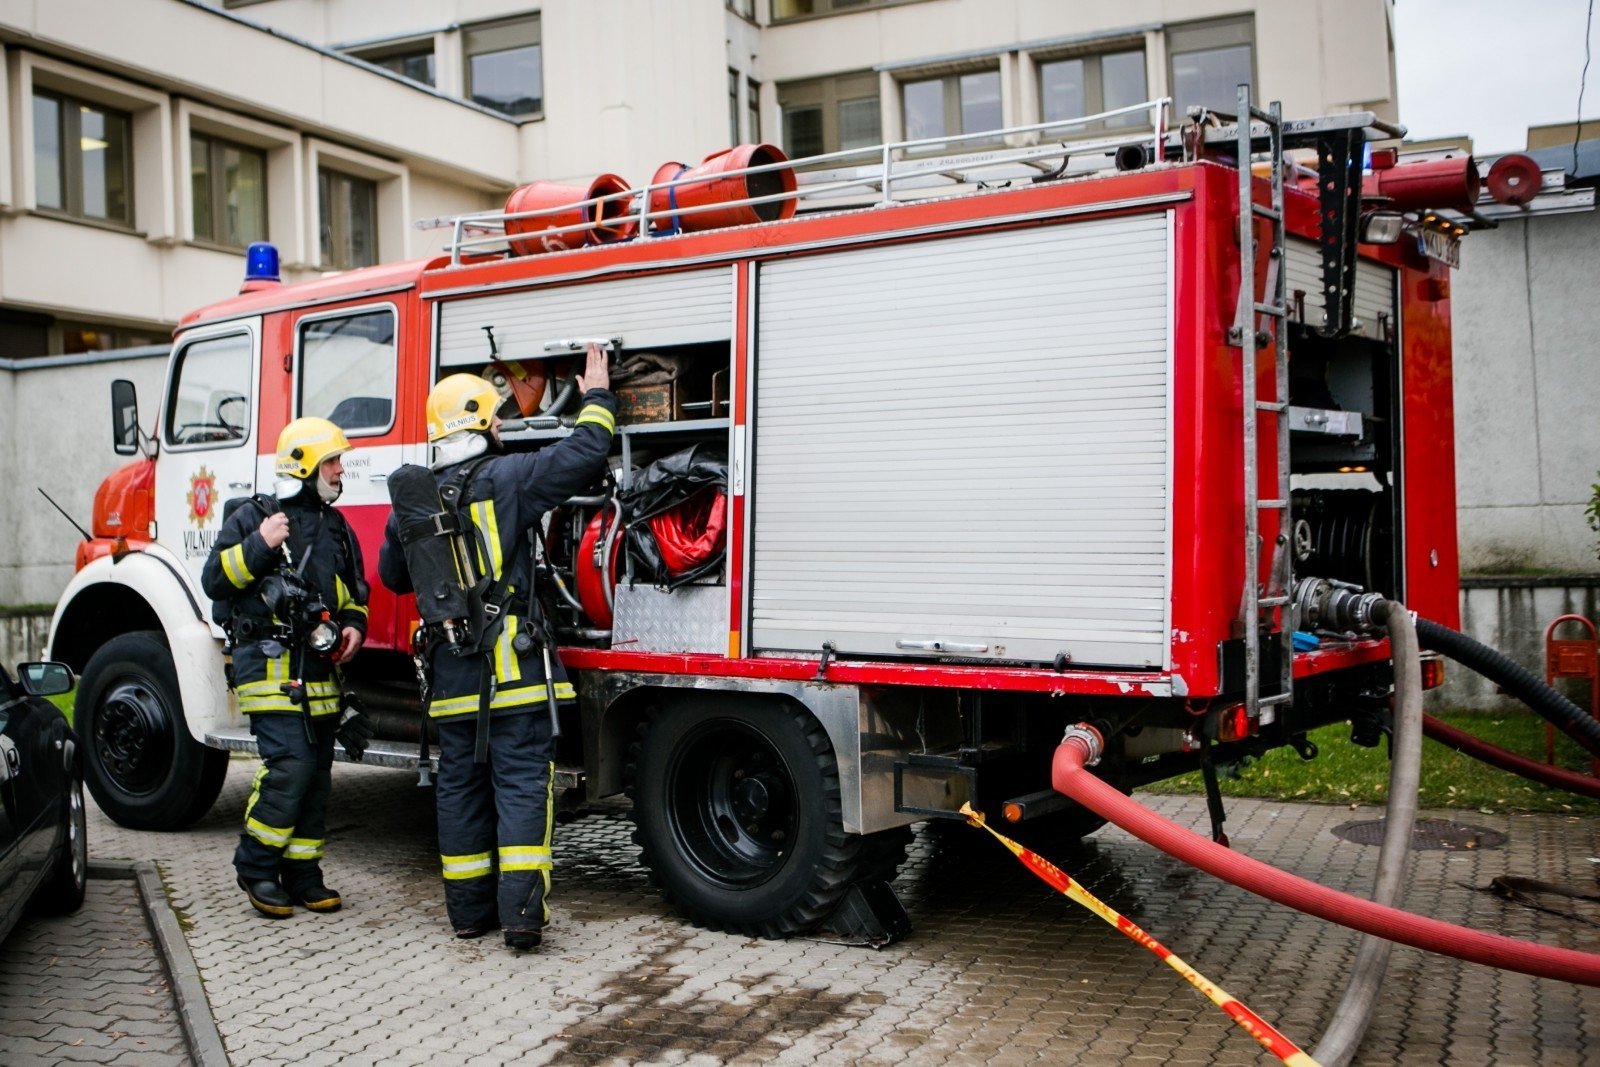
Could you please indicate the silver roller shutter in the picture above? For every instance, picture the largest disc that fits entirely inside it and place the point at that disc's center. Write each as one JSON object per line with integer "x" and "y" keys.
{"x": 650, "y": 311}
{"x": 965, "y": 441}
{"x": 1374, "y": 296}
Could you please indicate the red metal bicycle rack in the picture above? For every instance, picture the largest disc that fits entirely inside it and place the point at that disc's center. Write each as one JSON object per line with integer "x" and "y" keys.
{"x": 1572, "y": 657}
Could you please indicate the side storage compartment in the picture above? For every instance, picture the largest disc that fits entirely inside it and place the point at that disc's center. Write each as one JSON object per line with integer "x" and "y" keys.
{"x": 963, "y": 448}
{"x": 639, "y": 564}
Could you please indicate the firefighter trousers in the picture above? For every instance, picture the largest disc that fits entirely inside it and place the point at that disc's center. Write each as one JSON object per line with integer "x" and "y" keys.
{"x": 495, "y": 821}
{"x": 285, "y": 819}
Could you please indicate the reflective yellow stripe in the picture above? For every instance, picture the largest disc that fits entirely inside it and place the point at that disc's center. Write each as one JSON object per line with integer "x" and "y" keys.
{"x": 345, "y": 601}
{"x": 506, "y": 698}
{"x": 599, "y": 416}
{"x": 476, "y": 865}
{"x": 304, "y": 848}
{"x": 507, "y": 665}
{"x": 525, "y": 858}
{"x": 271, "y": 836}
{"x": 233, "y": 566}
{"x": 255, "y": 790}
{"x": 269, "y": 696}
{"x": 483, "y": 517}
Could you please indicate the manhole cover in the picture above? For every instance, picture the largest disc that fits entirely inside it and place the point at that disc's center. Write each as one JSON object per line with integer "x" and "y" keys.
{"x": 1426, "y": 835}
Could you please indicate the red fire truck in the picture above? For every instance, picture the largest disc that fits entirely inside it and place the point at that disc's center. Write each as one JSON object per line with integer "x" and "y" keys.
{"x": 1009, "y": 447}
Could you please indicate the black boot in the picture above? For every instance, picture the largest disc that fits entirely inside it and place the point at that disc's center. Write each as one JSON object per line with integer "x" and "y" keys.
{"x": 267, "y": 897}
{"x": 523, "y": 940}
{"x": 316, "y": 897}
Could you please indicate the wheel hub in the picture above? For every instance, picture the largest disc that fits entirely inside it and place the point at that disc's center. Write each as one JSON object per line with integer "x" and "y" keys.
{"x": 731, "y": 803}
{"x": 131, "y": 732}
{"x": 751, "y": 798}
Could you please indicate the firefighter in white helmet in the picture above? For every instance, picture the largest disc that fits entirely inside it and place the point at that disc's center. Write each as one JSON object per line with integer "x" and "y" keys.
{"x": 285, "y": 580}
{"x": 494, "y": 816}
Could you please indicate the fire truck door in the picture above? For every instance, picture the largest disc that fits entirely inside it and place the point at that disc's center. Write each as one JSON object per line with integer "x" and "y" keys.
{"x": 208, "y": 439}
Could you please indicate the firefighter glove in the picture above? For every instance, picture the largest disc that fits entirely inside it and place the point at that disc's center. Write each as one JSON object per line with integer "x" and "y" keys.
{"x": 355, "y": 729}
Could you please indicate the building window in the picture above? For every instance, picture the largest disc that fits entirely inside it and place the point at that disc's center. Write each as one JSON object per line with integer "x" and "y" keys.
{"x": 505, "y": 66}
{"x": 414, "y": 61}
{"x": 745, "y": 9}
{"x": 1209, "y": 60}
{"x": 83, "y": 159}
{"x": 1087, "y": 85}
{"x": 71, "y": 338}
{"x": 752, "y": 103}
{"x": 733, "y": 107}
{"x": 954, "y": 104}
{"x": 797, "y": 9}
{"x": 349, "y": 220}
{"x": 348, "y": 370}
{"x": 830, "y": 115}
{"x": 229, "y": 186}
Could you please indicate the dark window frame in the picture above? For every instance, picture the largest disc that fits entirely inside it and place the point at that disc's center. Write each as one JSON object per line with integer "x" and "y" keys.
{"x": 950, "y": 84}
{"x": 469, "y": 53}
{"x": 216, "y": 179}
{"x": 69, "y": 167}
{"x": 1094, "y": 83}
{"x": 1210, "y": 35}
{"x": 822, "y": 9}
{"x": 826, "y": 96}
{"x": 332, "y": 238}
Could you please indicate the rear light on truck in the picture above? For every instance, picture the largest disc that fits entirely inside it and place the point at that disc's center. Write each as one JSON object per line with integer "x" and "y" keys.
{"x": 1234, "y": 723}
{"x": 1432, "y": 670}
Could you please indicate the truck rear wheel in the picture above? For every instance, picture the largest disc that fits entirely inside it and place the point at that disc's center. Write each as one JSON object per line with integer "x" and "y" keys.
{"x": 737, "y": 813}
{"x": 140, "y": 762}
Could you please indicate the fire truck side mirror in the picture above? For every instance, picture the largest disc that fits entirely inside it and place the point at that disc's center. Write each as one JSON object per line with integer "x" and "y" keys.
{"x": 124, "y": 417}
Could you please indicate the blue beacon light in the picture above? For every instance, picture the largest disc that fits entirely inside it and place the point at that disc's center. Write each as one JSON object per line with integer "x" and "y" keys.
{"x": 261, "y": 263}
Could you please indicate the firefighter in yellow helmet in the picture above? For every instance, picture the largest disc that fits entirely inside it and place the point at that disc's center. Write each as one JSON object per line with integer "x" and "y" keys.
{"x": 494, "y": 817}
{"x": 285, "y": 580}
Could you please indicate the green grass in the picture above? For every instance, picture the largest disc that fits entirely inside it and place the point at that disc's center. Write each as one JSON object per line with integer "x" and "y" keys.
{"x": 1344, "y": 773}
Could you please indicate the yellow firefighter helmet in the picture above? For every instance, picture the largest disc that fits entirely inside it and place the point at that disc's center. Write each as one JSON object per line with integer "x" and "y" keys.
{"x": 460, "y": 402}
{"x": 304, "y": 444}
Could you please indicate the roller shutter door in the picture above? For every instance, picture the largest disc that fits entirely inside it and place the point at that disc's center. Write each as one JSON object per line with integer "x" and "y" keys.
{"x": 1374, "y": 295}
{"x": 962, "y": 448}
{"x": 655, "y": 310}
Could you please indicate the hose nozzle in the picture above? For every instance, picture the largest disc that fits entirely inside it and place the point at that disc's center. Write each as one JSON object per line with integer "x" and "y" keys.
{"x": 1326, "y": 604}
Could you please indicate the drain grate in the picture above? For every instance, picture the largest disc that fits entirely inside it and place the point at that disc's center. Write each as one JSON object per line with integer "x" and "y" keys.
{"x": 1428, "y": 835}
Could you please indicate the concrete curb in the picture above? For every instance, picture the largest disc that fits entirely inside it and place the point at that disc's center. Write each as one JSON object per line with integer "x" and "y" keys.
{"x": 194, "y": 1010}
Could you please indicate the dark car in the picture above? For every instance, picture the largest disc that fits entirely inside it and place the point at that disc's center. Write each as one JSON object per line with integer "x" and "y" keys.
{"x": 44, "y": 856}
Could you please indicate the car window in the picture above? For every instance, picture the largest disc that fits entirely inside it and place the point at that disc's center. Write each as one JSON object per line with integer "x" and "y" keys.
{"x": 348, "y": 370}
{"x": 210, "y": 401}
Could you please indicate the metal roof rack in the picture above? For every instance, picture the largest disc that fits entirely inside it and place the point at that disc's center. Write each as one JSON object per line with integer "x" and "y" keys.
{"x": 884, "y": 174}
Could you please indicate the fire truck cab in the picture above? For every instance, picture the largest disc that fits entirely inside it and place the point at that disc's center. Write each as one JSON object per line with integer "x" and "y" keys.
{"x": 1015, "y": 438}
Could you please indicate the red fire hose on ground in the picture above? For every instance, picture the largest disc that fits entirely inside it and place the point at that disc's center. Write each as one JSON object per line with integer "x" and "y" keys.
{"x": 1494, "y": 756}
{"x": 1071, "y": 777}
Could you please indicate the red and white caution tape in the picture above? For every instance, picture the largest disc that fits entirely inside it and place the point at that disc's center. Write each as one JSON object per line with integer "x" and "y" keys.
{"x": 1253, "y": 1024}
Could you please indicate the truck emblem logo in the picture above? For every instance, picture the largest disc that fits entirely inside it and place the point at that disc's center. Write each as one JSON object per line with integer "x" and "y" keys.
{"x": 202, "y": 496}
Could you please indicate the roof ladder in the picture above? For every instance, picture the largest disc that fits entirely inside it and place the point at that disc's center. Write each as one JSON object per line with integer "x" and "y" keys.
{"x": 1257, "y": 325}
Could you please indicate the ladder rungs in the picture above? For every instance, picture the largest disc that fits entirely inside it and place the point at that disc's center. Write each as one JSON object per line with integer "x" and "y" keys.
{"x": 1276, "y": 698}
{"x": 1271, "y": 405}
{"x": 1266, "y": 212}
{"x": 1272, "y": 601}
{"x": 1270, "y": 504}
{"x": 1275, "y": 310}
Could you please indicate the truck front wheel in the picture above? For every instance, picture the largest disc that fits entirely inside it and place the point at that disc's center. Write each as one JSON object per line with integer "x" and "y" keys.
{"x": 140, "y": 762}
{"x": 737, "y": 813}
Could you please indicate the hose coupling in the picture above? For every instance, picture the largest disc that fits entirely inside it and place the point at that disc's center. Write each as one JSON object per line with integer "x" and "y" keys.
{"x": 1329, "y": 605}
{"x": 1089, "y": 739}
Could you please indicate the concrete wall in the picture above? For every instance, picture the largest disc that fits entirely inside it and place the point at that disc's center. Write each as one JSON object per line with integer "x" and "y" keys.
{"x": 1510, "y": 615}
{"x": 22, "y": 635}
{"x": 1527, "y": 436}
{"x": 56, "y": 416}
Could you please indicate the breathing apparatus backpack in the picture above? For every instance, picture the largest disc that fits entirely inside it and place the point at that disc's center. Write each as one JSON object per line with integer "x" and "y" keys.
{"x": 440, "y": 545}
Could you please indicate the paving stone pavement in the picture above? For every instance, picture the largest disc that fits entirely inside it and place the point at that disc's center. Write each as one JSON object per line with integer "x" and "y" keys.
{"x": 88, "y": 988}
{"x": 998, "y": 970}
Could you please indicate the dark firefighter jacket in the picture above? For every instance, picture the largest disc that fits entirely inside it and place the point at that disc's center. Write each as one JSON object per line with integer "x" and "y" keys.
{"x": 505, "y": 499}
{"x": 232, "y": 578}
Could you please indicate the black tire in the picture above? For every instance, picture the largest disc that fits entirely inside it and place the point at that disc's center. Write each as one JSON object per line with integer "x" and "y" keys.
{"x": 63, "y": 892}
{"x": 738, "y": 817}
{"x": 140, "y": 762}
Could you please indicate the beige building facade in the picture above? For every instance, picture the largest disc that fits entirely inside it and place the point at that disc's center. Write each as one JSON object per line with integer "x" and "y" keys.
{"x": 144, "y": 144}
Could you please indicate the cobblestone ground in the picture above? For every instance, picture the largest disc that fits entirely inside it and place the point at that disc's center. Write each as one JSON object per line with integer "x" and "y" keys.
{"x": 999, "y": 969}
{"x": 88, "y": 988}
